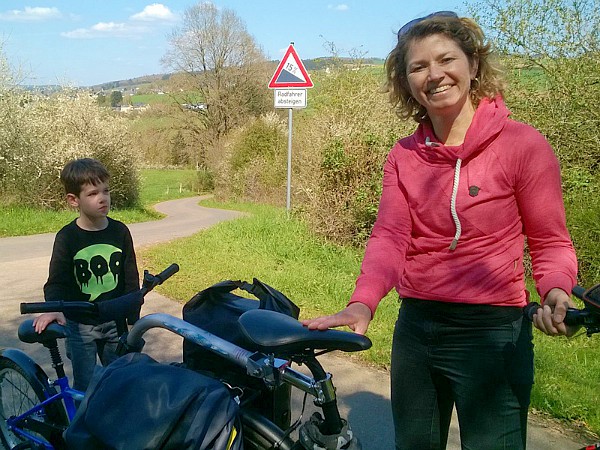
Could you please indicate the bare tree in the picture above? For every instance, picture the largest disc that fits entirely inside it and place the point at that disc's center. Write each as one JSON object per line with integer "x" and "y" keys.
{"x": 222, "y": 63}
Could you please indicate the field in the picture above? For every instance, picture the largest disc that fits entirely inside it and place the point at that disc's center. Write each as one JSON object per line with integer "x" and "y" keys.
{"x": 154, "y": 99}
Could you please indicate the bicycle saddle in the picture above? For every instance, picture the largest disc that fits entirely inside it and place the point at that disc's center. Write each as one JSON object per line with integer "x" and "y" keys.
{"x": 273, "y": 332}
{"x": 52, "y": 332}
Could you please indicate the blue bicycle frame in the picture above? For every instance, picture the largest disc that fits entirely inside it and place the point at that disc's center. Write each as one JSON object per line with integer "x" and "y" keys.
{"x": 66, "y": 394}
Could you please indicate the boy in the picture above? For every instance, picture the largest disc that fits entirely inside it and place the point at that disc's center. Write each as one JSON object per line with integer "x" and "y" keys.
{"x": 93, "y": 259}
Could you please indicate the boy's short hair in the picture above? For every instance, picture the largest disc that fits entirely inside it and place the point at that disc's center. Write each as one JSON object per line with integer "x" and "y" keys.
{"x": 82, "y": 171}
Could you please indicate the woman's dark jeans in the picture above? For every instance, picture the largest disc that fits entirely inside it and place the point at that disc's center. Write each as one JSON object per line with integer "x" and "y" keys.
{"x": 486, "y": 372}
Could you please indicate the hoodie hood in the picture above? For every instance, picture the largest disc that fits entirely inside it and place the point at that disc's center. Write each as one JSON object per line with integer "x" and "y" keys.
{"x": 489, "y": 120}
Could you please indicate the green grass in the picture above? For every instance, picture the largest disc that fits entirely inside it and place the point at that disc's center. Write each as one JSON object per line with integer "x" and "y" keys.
{"x": 157, "y": 185}
{"x": 21, "y": 221}
{"x": 153, "y": 99}
{"x": 566, "y": 381}
{"x": 319, "y": 278}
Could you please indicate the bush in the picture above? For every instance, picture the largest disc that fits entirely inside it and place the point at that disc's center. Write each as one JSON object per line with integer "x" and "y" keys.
{"x": 40, "y": 134}
{"x": 254, "y": 167}
{"x": 205, "y": 181}
{"x": 341, "y": 146}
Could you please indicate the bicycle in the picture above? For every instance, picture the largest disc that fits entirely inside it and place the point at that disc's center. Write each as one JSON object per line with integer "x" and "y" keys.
{"x": 588, "y": 317}
{"x": 267, "y": 367}
{"x": 34, "y": 411}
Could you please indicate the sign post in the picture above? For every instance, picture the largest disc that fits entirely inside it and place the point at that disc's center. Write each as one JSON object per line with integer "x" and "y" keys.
{"x": 290, "y": 81}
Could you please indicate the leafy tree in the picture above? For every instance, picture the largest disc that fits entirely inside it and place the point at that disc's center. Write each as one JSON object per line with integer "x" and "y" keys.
{"x": 116, "y": 97}
{"x": 221, "y": 62}
{"x": 101, "y": 99}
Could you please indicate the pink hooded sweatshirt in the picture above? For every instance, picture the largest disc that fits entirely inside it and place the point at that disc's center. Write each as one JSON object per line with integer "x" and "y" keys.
{"x": 452, "y": 219}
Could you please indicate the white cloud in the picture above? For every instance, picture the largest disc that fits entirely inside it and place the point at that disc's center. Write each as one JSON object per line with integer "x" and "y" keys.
{"x": 339, "y": 7}
{"x": 155, "y": 11}
{"x": 31, "y": 14}
{"x": 152, "y": 13}
{"x": 106, "y": 29}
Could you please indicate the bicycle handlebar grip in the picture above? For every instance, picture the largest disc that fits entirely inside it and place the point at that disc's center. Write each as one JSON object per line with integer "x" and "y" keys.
{"x": 42, "y": 307}
{"x": 573, "y": 317}
{"x": 530, "y": 309}
{"x": 167, "y": 273}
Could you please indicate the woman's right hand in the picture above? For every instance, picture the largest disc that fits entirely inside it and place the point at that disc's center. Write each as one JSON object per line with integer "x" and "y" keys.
{"x": 550, "y": 317}
{"x": 356, "y": 316}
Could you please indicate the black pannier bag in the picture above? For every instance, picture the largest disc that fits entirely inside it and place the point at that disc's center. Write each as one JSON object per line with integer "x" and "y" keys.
{"x": 216, "y": 310}
{"x": 138, "y": 403}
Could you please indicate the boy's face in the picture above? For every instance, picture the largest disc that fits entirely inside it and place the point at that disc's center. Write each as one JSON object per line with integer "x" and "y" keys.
{"x": 93, "y": 201}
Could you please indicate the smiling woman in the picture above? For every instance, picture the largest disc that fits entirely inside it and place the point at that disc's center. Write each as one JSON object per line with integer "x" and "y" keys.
{"x": 458, "y": 195}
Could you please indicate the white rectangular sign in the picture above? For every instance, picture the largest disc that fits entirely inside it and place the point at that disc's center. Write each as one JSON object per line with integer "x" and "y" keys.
{"x": 290, "y": 98}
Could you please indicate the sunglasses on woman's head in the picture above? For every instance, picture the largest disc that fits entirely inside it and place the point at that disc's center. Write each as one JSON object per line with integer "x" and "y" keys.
{"x": 406, "y": 27}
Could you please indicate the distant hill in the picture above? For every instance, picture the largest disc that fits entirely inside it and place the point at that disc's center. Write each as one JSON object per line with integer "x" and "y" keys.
{"x": 158, "y": 79}
{"x": 323, "y": 63}
{"x": 131, "y": 83}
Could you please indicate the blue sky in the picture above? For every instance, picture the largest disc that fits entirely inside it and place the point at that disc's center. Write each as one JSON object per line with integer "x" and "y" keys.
{"x": 86, "y": 42}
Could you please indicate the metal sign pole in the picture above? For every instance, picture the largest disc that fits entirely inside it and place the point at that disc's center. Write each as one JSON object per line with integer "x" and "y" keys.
{"x": 289, "y": 162}
{"x": 290, "y": 74}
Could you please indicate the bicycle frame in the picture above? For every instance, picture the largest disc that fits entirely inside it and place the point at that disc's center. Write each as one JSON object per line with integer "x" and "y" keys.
{"x": 66, "y": 394}
{"x": 299, "y": 341}
{"x": 272, "y": 370}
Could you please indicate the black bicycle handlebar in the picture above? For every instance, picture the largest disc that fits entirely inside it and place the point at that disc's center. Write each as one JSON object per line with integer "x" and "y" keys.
{"x": 578, "y": 291}
{"x": 43, "y": 307}
{"x": 573, "y": 317}
{"x": 151, "y": 281}
{"x": 114, "y": 309}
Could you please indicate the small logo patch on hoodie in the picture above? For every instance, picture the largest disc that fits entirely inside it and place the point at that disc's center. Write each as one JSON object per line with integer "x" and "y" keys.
{"x": 474, "y": 190}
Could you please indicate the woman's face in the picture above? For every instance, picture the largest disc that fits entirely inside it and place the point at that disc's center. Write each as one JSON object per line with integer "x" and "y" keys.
{"x": 439, "y": 75}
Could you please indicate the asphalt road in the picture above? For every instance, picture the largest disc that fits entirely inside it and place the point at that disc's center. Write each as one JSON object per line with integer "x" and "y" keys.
{"x": 363, "y": 392}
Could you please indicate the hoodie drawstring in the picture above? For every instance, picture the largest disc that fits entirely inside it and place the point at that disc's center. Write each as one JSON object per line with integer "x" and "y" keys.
{"x": 453, "y": 205}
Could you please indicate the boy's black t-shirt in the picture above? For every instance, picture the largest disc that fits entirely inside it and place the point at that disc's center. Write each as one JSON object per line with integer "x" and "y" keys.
{"x": 92, "y": 265}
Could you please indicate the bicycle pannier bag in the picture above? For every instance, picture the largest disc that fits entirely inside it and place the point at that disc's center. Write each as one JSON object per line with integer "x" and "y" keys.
{"x": 216, "y": 310}
{"x": 138, "y": 403}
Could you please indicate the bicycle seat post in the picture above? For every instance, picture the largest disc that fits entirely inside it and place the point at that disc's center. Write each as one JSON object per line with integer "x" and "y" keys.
{"x": 56, "y": 358}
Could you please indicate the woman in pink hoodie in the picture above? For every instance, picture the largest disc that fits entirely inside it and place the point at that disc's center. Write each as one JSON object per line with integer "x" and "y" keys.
{"x": 459, "y": 197}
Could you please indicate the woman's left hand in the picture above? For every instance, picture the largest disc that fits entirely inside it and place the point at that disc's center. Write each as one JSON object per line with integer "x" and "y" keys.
{"x": 550, "y": 318}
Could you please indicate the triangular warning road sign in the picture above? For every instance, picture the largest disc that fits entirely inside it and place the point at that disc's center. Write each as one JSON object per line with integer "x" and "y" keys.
{"x": 290, "y": 72}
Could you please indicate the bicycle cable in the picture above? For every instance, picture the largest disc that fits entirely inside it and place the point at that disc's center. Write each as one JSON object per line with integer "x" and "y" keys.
{"x": 294, "y": 426}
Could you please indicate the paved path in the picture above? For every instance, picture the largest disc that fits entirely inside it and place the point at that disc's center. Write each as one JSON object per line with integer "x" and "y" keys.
{"x": 363, "y": 392}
